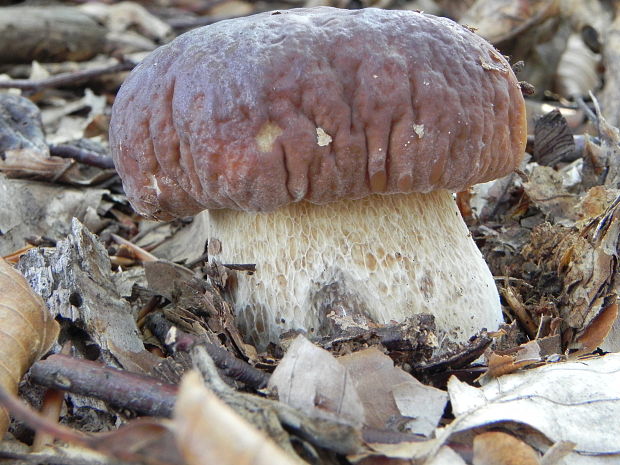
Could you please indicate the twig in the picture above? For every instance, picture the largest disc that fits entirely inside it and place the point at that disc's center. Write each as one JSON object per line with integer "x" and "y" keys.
{"x": 122, "y": 389}
{"x": 191, "y": 23}
{"x": 521, "y": 282}
{"x": 38, "y": 422}
{"x": 116, "y": 444}
{"x": 249, "y": 267}
{"x": 65, "y": 78}
{"x": 140, "y": 253}
{"x": 237, "y": 369}
{"x": 53, "y": 400}
{"x": 85, "y": 157}
{"x": 231, "y": 366}
{"x": 587, "y": 110}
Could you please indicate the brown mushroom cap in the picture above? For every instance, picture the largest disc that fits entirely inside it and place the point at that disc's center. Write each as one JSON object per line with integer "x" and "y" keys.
{"x": 318, "y": 104}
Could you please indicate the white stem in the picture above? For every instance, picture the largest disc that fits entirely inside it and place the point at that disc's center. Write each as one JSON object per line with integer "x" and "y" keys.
{"x": 383, "y": 258}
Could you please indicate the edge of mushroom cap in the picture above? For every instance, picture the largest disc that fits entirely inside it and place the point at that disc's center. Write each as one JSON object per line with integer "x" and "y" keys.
{"x": 166, "y": 158}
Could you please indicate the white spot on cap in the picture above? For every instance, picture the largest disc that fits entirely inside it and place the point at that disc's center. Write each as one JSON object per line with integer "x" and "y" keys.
{"x": 154, "y": 184}
{"x": 419, "y": 130}
{"x": 322, "y": 138}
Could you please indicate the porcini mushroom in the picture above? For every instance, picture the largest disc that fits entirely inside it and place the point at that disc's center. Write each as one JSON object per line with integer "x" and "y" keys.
{"x": 325, "y": 144}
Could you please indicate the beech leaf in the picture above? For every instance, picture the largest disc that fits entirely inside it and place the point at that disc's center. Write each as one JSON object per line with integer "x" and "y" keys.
{"x": 312, "y": 380}
{"x": 210, "y": 432}
{"x": 576, "y": 402}
{"x": 27, "y": 330}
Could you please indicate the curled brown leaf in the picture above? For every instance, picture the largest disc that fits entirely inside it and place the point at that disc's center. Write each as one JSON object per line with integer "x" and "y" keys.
{"x": 209, "y": 431}
{"x": 27, "y": 330}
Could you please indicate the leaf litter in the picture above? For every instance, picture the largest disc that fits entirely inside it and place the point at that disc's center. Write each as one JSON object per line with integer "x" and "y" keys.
{"x": 142, "y": 297}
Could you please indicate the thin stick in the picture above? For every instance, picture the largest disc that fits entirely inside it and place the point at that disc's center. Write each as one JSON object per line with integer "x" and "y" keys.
{"x": 85, "y": 157}
{"x": 37, "y": 422}
{"x": 64, "y": 79}
{"x": 191, "y": 23}
{"x": 141, "y": 254}
{"x": 143, "y": 394}
{"x": 230, "y": 365}
{"x": 53, "y": 400}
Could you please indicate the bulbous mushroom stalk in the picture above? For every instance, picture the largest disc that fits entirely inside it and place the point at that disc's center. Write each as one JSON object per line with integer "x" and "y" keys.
{"x": 378, "y": 259}
{"x": 324, "y": 143}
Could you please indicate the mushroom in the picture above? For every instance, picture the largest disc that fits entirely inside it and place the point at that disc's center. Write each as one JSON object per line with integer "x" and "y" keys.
{"x": 325, "y": 144}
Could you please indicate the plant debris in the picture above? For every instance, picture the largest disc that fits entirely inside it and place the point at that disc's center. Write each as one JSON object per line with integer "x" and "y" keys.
{"x": 146, "y": 362}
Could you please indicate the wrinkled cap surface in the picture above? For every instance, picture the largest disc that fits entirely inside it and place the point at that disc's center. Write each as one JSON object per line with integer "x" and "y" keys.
{"x": 317, "y": 104}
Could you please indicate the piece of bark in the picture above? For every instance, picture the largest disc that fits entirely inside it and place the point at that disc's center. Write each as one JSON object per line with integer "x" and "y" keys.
{"x": 76, "y": 282}
{"x": 48, "y": 33}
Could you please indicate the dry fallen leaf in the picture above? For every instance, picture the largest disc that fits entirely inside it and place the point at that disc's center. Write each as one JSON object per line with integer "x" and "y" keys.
{"x": 209, "y": 432}
{"x": 123, "y": 16}
{"x": 392, "y": 398}
{"x": 578, "y": 402}
{"x": 598, "y": 330}
{"x": 498, "y": 21}
{"x": 311, "y": 379}
{"x": 360, "y": 389}
{"x": 27, "y": 330}
{"x": 497, "y": 448}
{"x": 587, "y": 265}
{"x": 501, "y": 364}
{"x": 232, "y": 8}
{"x": 583, "y": 259}
{"x": 28, "y": 163}
{"x": 528, "y": 354}
{"x": 546, "y": 189}
{"x": 577, "y": 72}
{"x": 41, "y": 209}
